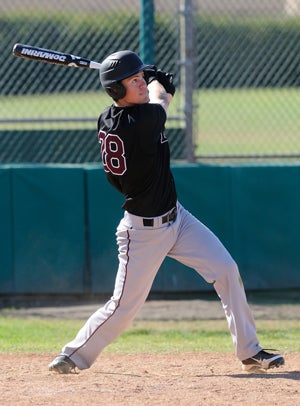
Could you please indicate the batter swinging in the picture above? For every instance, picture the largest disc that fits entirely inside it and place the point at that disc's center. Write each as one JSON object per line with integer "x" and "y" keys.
{"x": 136, "y": 159}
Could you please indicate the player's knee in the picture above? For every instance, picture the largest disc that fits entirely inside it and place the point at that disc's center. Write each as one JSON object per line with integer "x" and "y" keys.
{"x": 228, "y": 276}
{"x": 231, "y": 269}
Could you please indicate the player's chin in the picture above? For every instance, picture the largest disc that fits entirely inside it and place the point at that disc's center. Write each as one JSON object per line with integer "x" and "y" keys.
{"x": 146, "y": 98}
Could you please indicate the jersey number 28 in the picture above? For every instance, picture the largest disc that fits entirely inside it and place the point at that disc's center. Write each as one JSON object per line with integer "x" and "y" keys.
{"x": 113, "y": 153}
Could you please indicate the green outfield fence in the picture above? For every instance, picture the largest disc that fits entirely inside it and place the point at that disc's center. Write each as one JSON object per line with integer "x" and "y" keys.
{"x": 58, "y": 223}
{"x": 236, "y": 66}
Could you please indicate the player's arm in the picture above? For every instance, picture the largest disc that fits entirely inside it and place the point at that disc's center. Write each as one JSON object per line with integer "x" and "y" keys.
{"x": 158, "y": 94}
{"x": 160, "y": 85}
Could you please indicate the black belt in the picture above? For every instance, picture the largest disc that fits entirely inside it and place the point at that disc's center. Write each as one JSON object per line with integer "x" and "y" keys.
{"x": 171, "y": 216}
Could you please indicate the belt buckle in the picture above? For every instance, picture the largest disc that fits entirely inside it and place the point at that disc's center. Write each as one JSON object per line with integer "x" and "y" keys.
{"x": 148, "y": 222}
{"x": 171, "y": 216}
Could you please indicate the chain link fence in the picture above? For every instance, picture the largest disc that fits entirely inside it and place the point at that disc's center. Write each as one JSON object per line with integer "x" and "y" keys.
{"x": 49, "y": 113}
{"x": 242, "y": 58}
{"x": 247, "y": 76}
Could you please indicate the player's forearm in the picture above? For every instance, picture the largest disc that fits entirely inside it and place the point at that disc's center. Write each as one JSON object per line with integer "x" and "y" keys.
{"x": 158, "y": 94}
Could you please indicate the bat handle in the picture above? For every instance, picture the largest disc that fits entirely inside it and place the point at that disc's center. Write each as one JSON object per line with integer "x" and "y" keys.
{"x": 95, "y": 65}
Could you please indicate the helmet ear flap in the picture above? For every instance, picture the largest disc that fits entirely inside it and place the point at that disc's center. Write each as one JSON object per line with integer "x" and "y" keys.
{"x": 116, "y": 91}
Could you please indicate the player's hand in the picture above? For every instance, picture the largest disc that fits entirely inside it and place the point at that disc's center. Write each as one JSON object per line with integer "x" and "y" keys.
{"x": 166, "y": 80}
{"x": 150, "y": 73}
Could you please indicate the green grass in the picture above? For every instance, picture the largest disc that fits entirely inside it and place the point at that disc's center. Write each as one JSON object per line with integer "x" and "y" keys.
{"x": 49, "y": 335}
{"x": 86, "y": 105}
{"x": 53, "y": 106}
{"x": 228, "y": 121}
{"x": 248, "y": 121}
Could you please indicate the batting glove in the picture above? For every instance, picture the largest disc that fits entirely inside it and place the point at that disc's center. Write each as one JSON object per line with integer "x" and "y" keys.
{"x": 166, "y": 79}
{"x": 150, "y": 73}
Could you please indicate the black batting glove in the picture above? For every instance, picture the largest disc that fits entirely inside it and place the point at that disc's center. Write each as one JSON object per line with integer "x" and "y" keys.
{"x": 166, "y": 80}
{"x": 150, "y": 73}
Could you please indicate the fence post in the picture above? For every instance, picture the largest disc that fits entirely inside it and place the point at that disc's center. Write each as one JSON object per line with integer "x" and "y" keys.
{"x": 147, "y": 31}
{"x": 186, "y": 73}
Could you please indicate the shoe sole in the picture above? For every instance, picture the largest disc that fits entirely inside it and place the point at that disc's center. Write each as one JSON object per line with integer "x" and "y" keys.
{"x": 62, "y": 368}
{"x": 257, "y": 368}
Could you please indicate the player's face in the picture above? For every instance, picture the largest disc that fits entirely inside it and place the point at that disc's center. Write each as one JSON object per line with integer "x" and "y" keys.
{"x": 136, "y": 90}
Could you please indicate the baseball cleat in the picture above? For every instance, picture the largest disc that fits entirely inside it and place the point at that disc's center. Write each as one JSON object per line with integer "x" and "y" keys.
{"x": 63, "y": 365}
{"x": 262, "y": 361}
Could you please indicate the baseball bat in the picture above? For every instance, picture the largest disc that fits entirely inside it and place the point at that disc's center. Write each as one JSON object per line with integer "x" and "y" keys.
{"x": 54, "y": 57}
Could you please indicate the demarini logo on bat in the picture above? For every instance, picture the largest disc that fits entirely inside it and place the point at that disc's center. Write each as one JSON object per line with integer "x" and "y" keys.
{"x": 43, "y": 55}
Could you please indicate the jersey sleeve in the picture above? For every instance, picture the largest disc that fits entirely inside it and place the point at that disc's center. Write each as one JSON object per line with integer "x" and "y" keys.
{"x": 151, "y": 126}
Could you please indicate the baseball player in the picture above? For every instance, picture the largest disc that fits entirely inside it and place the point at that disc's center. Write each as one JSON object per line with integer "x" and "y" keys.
{"x": 136, "y": 159}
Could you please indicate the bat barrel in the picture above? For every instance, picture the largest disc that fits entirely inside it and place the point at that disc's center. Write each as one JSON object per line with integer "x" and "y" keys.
{"x": 53, "y": 57}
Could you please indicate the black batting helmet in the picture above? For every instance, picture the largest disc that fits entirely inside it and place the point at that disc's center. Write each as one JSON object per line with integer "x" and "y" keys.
{"x": 116, "y": 67}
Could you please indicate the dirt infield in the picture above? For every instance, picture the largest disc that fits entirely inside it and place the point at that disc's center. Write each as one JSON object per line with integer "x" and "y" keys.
{"x": 147, "y": 379}
{"x": 151, "y": 379}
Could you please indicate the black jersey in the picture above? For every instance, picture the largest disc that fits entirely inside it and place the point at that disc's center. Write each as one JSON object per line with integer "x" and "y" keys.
{"x": 136, "y": 157}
